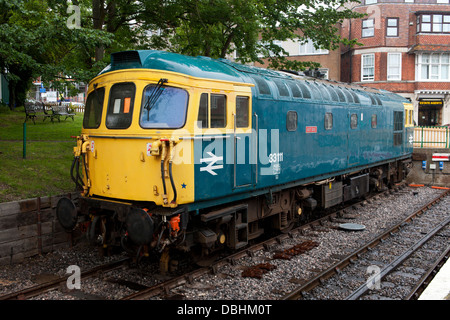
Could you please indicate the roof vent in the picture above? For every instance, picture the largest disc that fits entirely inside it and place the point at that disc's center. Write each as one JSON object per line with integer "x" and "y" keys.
{"x": 125, "y": 60}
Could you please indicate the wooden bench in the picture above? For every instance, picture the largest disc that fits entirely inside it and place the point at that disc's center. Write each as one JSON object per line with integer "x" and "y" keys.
{"x": 41, "y": 107}
{"x": 62, "y": 111}
{"x": 30, "y": 112}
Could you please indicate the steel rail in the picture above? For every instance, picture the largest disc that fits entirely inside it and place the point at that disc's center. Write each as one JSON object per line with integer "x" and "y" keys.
{"x": 352, "y": 257}
{"x": 428, "y": 276}
{"x": 57, "y": 283}
{"x": 393, "y": 265}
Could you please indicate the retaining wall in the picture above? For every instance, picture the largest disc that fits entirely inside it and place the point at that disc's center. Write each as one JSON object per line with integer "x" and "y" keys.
{"x": 30, "y": 227}
{"x": 428, "y": 176}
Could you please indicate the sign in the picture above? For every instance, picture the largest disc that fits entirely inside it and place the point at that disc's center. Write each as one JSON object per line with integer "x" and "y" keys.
{"x": 311, "y": 129}
{"x": 441, "y": 157}
{"x": 211, "y": 163}
{"x": 431, "y": 103}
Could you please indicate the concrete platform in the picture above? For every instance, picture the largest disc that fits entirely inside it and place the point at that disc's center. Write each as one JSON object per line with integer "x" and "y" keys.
{"x": 439, "y": 288}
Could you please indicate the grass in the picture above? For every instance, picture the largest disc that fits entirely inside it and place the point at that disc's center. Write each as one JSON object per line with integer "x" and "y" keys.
{"x": 46, "y": 169}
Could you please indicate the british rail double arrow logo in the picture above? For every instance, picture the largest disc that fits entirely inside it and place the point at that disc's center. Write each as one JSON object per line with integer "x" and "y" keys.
{"x": 212, "y": 163}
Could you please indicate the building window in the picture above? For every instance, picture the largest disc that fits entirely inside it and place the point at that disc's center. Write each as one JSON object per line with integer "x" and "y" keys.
{"x": 433, "y": 66}
{"x": 394, "y": 70}
{"x": 371, "y": 1}
{"x": 392, "y": 27}
{"x": 308, "y": 48}
{"x": 368, "y": 67}
{"x": 443, "y": 1}
{"x": 433, "y": 23}
{"x": 409, "y": 1}
{"x": 368, "y": 28}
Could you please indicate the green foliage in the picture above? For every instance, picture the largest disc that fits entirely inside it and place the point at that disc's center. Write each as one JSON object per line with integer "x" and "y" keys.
{"x": 216, "y": 28}
{"x": 35, "y": 41}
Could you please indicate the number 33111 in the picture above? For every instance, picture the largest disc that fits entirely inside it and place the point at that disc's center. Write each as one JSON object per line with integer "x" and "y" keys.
{"x": 276, "y": 157}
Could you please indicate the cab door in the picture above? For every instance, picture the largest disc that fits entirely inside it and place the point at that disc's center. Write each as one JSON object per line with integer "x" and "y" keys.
{"x": 244, "y": 152}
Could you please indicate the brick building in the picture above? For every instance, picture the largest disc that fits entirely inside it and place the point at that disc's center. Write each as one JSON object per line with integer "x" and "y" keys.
{"x": 406, "y": 49}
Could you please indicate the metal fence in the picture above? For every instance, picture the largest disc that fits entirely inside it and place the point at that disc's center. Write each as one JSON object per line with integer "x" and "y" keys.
{"x": 432, "y": 137}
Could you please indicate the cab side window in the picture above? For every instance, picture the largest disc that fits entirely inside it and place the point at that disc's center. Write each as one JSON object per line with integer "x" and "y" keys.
{"x": 242, "y": 112}
{"x": 218, "y": 111}
{"x": 214, "y": 108}
{"x": 203, "y": 110}
{"x": 94, "y": 108}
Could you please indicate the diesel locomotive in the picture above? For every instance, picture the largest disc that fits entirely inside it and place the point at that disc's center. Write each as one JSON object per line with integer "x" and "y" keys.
{"x": 199, "y": 154}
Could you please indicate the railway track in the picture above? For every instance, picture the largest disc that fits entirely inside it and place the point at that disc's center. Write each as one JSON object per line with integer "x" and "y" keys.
{"x": 307, "y": 239}
{"x": 371, "y": 256}
{"x": 60, "y": 282}
{"x": 191, "y": 280}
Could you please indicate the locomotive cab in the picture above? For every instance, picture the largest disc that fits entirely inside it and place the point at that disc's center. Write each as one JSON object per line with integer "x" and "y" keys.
{"x": 134, "y": 160}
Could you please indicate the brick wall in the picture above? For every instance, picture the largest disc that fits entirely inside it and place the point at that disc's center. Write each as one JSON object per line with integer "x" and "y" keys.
{"x": 380, "y": 44}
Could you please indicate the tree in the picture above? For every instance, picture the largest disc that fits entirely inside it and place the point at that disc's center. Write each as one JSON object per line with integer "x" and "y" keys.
{"x": 35, "y": 40}
{"x": 216, "y": 28}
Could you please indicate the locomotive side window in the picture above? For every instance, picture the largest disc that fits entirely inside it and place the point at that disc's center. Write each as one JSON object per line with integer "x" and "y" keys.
{"x": 328, "y": 121}
{"x": 164, "y": 109}
{"x": 218, "y": 111}
{"x": 354, "y": 121}
{"x": 398, "y": 128}
{"x": 203, "y": 110}
{"x": 120, "y": 106}
{"x": 94, "y": 108}
{"x": 291, "y": 121}
{"x": 374, "y": 121}
{"x": 241, "y": 112}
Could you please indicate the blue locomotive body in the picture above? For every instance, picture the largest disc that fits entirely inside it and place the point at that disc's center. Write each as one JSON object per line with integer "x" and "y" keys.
{"x": 304, "y": 130}
{"x": 268, "y": 147}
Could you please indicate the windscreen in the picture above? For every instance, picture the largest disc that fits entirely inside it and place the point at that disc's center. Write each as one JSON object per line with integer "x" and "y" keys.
{"x": 163, "y": 107}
